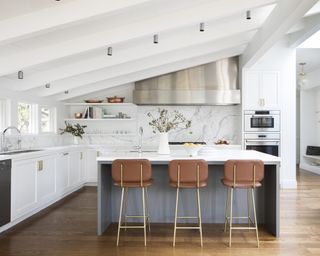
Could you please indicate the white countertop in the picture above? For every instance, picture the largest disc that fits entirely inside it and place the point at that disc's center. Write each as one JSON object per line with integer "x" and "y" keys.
{"x": 215, "y": 156}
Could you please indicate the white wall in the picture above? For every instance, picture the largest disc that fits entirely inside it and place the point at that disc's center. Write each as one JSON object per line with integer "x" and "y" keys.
{"x": 283, "y": 59}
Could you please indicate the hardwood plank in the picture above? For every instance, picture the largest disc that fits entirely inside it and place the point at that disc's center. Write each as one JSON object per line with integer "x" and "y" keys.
{"x": 69, "y": 228}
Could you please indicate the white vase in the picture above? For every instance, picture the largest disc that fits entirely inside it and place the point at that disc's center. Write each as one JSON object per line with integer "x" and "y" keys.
{"x": 164, "y": 144}
{"x": 75, "y": 140}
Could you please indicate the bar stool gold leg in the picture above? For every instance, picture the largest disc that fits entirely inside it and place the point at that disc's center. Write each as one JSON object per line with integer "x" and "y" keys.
{"x": 144, "y": 218}
{"x": 175, "y": 218}
{"x": 227, "y": 209}
{"x": 248, "y": 202}
{"x": 147, "y": 206}
{"x": 125, "y": 206}
{"x": 230, "y": 222}
{"x": 199, "y": 216}
{"x": 120, "y": 216}
{"x": 255, "y": 216}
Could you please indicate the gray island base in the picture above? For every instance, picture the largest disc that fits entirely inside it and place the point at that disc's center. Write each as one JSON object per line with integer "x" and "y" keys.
{"x": 213, "y": 197}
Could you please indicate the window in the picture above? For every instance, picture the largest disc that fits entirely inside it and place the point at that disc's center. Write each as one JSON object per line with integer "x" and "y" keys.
{"x": 27, "y": 117}
{"x": 47, "y": 119}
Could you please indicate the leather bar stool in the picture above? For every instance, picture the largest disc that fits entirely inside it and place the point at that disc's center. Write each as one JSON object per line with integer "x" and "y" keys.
{"x": 188, "y": 174}
{"x": 132, "y": 173}
{"x": 242, "y": 174}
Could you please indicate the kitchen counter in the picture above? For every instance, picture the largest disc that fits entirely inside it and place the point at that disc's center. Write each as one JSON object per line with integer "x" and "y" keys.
{"x": 213, "y": 196}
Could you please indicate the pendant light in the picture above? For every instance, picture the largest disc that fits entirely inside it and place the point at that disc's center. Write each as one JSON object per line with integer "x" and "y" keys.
{"x": 302, "y": 76}
{"x": 20, "y": 74}
{"x": 47, "y": 86}
{"x": 66, "y": 92}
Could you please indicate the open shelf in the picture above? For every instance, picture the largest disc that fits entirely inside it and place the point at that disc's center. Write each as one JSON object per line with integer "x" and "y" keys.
{"x": 100, "y": 104}
{"x": 98, "y": 119}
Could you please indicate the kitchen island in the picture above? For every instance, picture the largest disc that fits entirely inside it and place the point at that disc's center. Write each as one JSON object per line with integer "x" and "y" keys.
{"x": 213, "y": 197}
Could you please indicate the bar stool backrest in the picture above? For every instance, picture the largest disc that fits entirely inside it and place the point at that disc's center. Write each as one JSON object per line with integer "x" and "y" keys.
{"x": 244, "y": 171}
{"x": 188, "y": 171}
{"x": 131, "y": 171}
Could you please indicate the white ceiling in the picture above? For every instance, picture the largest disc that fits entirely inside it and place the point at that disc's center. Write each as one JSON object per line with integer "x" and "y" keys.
{"x": 64, "y": 43}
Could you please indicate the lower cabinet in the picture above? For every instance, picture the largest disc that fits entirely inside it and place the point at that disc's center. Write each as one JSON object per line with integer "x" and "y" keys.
{"x": 46, "y": 179}
{"x": 37, "y": 182}
{"x": 62, "y": 172}
{"x": 23, "y": 187}
{"x": 91, "y": 170}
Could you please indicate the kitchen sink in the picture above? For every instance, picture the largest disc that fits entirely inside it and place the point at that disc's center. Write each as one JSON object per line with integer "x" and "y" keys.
{"x": 20, "y": 152}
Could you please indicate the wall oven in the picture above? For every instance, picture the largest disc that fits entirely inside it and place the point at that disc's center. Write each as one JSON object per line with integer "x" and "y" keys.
{"x": 262, "y": 121}
{"x": 268, "y": 143}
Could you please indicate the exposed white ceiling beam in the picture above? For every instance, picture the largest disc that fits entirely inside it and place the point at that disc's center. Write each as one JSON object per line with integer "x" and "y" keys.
{"x": 154, "y": 71}
{"x": 284, "y": 16}
{"x": 181, "y": 39}
{"x": 58, "y": 16}
{"x": 217, "y": 9}
{"x": 146, "y": 63}
{"x": 311, "y": 26}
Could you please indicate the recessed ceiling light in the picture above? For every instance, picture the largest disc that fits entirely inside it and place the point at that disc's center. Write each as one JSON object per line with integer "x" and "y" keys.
{"x": 155, "y": 39}
{"x": 248, "y": 14}
{"x": 109, "y": 51}
{"x": 47, "y": 85}
{"x": 20, "y": 74}
{"x": 202, "y": 27}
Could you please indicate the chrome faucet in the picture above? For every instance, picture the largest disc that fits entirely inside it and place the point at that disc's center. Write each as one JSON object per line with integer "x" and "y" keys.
{"x": 4, "y": 146}
{"x": 140, "y": 140}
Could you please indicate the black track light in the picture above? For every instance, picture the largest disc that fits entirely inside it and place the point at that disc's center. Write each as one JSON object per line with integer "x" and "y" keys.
{"x": 20, "y": 74}
{"x": 47, "y": 86}
{"x": 202, "y": 27}
{"x": 66, "y": 92}
{"x": 248, "y": 15}
{"x": 155, "y": 39}
{"x": 109, "y": 51}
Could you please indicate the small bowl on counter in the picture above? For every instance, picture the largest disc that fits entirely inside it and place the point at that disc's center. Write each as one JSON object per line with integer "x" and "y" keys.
{"x": 192, "y": 148}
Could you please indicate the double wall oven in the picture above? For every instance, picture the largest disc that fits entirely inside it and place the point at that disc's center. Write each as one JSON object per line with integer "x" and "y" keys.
{"x": 262, "y": 131}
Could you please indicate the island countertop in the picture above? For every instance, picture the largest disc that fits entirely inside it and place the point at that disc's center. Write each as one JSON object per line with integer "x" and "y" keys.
{"x": 213, "y": 157}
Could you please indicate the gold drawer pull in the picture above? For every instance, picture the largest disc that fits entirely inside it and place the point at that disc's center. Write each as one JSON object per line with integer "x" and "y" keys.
{"x": 40, "y": 165}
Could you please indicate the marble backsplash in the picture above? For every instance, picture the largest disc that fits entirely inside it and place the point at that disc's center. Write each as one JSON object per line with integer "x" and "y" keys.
{"x": 209, "y": 123}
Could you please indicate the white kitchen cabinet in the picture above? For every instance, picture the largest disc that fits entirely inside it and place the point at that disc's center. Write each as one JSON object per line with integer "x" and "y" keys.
{"x": 62, "y": 172}
{"x": 23, "y": 187}
{"x": 46, "y": 179}
{"x": 75, "y": 168}
{"x": 91, "y": 168}
{"x": 261, "y": 90}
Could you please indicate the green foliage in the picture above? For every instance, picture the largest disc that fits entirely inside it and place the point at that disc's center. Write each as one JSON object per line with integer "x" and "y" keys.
{"x": 76, "y": 130}
{"x": 168, "y": 121}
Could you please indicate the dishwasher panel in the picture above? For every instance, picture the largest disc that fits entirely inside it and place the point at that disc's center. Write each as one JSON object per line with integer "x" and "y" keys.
{"x": 5, "y": 192}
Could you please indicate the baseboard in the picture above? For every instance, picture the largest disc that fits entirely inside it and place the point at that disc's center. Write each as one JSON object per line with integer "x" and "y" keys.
{"x": 310, "y": 168}
{"x": 288, "y": 184}
{"x": 91, "y": 184}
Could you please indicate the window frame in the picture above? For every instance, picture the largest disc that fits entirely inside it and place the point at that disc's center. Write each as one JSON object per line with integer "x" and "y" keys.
{"x": 52, "y": 120}
{"x": 34, "y": 118}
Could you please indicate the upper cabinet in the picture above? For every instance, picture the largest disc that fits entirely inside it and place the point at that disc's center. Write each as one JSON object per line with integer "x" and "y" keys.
{"x": 261, "y": 90}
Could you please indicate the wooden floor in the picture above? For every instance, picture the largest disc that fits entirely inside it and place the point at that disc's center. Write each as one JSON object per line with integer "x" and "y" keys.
{"x": 69, "y": 228}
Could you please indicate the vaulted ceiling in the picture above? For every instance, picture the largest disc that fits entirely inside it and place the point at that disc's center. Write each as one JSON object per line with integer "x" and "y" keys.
{"x": 65, "y": 42}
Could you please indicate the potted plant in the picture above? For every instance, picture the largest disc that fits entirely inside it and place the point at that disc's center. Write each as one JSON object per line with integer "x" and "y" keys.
{"x": 165, "y": 122}
{"x": 76, "y": 130}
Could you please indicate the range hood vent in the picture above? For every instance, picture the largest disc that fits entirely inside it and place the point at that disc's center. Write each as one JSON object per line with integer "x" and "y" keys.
{"x": 215, "y": 83}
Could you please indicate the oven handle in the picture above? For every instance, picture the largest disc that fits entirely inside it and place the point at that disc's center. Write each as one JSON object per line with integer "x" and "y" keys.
{"x": 262, "y": 142}
{"x": 267, "y": 116}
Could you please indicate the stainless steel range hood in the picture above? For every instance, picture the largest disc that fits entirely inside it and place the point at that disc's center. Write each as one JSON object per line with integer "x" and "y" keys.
{"x": 215, "y": 83}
